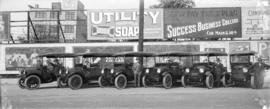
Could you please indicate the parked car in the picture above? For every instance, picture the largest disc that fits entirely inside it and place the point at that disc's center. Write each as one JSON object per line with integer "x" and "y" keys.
{"x": 166, "y": 71}
{"x": 203, "y": 72}
{"x": 31, "y": 78}
{"x": 87, "y": 71}
{"x": 122, "y": 72}
{"x": 240, "y": 73}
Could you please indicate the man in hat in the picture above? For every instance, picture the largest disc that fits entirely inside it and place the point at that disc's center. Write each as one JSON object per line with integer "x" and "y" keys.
{"x": 136, "y": 70}
{"x": 258, "y": 70}
{"x": 219, "y": 70}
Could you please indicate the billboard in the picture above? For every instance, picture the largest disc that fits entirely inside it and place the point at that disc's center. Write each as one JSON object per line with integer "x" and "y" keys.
{"x": 264, "y": 51}
{"x": 256, "y": 22}
{"x": 202, "y": 23}
{"x": 124, "y": 24}
{"x": 4, "y": 26}
{"x": 22, "y": 57}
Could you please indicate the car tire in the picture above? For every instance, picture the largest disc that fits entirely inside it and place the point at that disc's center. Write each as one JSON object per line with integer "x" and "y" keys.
{"x": 209, "y": 81}
{"x": 32, "y": 82}
{"x": 167, "y": 81}
{"x": 184, "y": 81}
{"x": 224, "y": 81}
{"x": 102, "y": 82}
{"x": 61, "y": 83}
{"x": 145, "y": 82}
{"x": 120, "y": 81}
{"x": 75, "y": 82}
{"x": 252, "y": 82}
{"x": 21, "y": 83}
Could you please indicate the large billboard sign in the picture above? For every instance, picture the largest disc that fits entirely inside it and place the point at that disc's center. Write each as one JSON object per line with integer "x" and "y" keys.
{"x": 256, "y": 22}
{"x": 202, "y": 23}
{"x": 4, "y": 26}
{"x": 23, "y": 57}
{"x": 124, "y": 24}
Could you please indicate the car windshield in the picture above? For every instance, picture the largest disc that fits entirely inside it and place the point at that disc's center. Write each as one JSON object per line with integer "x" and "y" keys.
{"x": 240, "y": 59}
{"x": 149, "y": 62}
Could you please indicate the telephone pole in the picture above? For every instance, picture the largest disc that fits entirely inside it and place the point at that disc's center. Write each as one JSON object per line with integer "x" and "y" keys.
{"x": 140, "y": 40}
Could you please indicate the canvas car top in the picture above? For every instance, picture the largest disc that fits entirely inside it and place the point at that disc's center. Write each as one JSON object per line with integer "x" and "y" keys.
{"x": 209, "y": 53}
{"x": 174, "y": 54}
{"x": 134, "y": 54}
{"x": 236, "y": 53}
{"x": 57, "y": 55}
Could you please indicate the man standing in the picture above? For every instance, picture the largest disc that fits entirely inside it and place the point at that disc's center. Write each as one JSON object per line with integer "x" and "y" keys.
{"x": 136, "y": 70}
{"x": 219, "y": 71}
{"x": 258, "y": 70}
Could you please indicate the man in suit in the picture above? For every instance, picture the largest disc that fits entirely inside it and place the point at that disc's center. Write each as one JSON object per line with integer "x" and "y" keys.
{"x": 219, "y": 71}
{"x": 137, "y": 71}
{"x": 258, "y": 70}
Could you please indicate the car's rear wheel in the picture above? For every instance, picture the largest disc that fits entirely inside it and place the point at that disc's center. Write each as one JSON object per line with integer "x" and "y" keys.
{"x": 120, "y": 81}
{"x": 32, "y": 82}
{"x": 21, "y": 83}
{"x": 75, "y": 82}
{"x": 167, "y": 81}
{"x": 102, "y": 82}
{"x": 252, "y": 82}
{"x": 184, "y": 80}
{"x": 209, "y": 81}
{"x": 61, "y": 83}
{"x": 145, "y": 81}
{"x": 224, "y": 81}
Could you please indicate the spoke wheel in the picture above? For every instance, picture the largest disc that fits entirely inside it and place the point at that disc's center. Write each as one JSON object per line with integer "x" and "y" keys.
{"x": 61, "y": 83}
{"x": 21, "y": 83}
{"x": 75, "y": 82}
{"x": 252, "y": 82}
{"x": 102, "y": 82}
{"x": 32, "y": 82}
{"x": 145, "y": 81}
{"x": 120, "y": 81}
{"x": 209, "y": 81}
{"x": 167, "y": 81}
{"x": 184, "y": 80}
{"x": 224, "y": 81}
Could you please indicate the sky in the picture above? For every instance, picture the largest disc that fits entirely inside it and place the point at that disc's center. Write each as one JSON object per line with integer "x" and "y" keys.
{"x": 17, "y": 5}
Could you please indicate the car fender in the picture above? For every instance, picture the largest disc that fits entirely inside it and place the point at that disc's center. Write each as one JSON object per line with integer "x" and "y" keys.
{"x": 207, "y": 73}
{"x": 164, "y": 73}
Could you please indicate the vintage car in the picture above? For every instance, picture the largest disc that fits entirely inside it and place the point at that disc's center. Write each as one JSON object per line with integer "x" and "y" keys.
{"x": 122, "y": 72}
{"x": 203, "y": 72}
{"x": 240, "y": 74}
{"x": 87, "y": 71}
{"x": 168, "y": 69}
{"x": 31, "y": 78}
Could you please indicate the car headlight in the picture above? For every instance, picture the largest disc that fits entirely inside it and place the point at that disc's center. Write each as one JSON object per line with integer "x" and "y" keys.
{"x": 112, "y": 70}
{"x": 245, "y": 70}
{"x": 67, "y": 71}
{"x": 201, "y": 70}
{"x": 102, "y": 71}
{"x": 187, "y": 70}
{"x": 158, "y": 70}
{"x": 230, "y": 70}
{"x": 23, "y": 72}
{"x": 147, "y": 71}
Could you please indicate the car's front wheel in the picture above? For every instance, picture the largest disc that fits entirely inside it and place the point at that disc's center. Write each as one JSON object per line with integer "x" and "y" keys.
{"x": 167, "y": 81}
{"x": 32, "y": 82}
{"x": 145, "y": 81}
{"x": 75, "y": 82}
{"x": 61, "y": 83}
{"x": 224, "y": 81}
{"x": 252, "y": 82}
{"x": 21, "y": 83}
{"x": 209, "y": 81}
{"x": 102, "y": 82}
{"x": 184, "y": 80}
{"x": 120, "y": 81}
